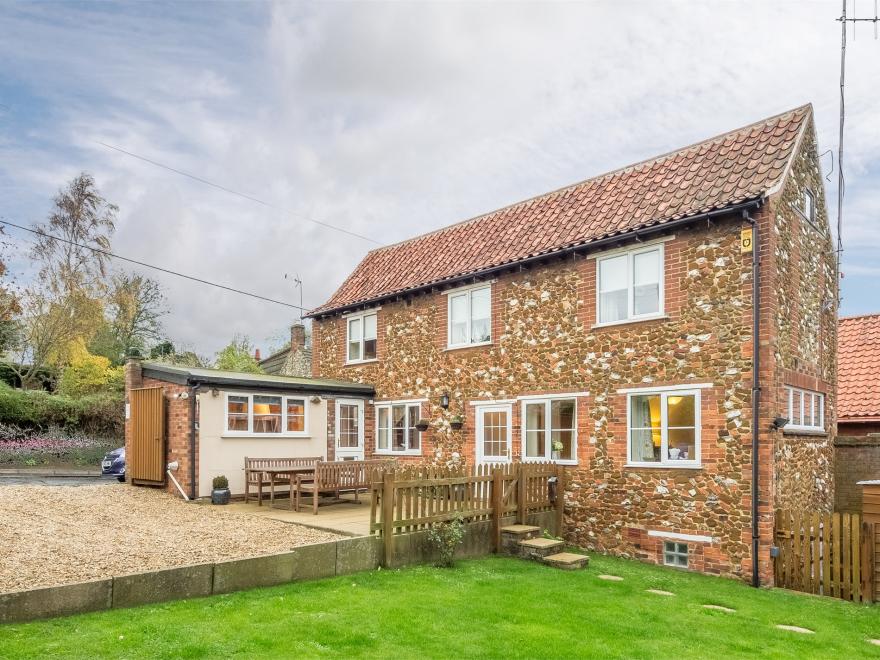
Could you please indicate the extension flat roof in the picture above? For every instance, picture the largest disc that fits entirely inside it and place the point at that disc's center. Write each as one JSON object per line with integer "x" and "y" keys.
{"x": 194, "y": 375}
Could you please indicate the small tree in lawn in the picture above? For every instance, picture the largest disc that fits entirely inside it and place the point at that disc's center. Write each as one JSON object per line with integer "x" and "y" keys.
{"x": 238, "y": 356}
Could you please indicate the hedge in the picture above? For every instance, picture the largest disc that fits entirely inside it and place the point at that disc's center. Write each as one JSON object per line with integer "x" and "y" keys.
{"x": 98, "y": 414}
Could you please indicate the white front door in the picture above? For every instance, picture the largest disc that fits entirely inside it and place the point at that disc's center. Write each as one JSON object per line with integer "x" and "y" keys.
{"x": 494, "y": 431}
{"x": 349, "y": 429}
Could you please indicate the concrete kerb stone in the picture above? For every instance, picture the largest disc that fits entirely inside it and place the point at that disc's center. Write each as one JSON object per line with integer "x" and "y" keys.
{"x": 315, "y": 561}
{"x": 159, "y": 586}
{"x": 264, "y": 571}
{"x": 63, "y": 600}
{"x": 358, "y": 554}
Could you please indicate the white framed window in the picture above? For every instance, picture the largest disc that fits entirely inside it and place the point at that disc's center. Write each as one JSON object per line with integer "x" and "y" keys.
{"x": 361, "y": 337}
{"x": 808, "y": 205}
{"x": 663, "y": 428}
{"x": 629, "y": 285}
{"x": 806, "y": 410}
{"x": 469, "y": 319}
{"x": 549, "y": 430}
{"x": 675, "y": 554}
{"x": 396, "y": 431}
{"x": 266, "y": 415}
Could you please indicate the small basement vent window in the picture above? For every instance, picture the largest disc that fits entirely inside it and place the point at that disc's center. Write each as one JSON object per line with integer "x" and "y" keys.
{"x": 675, "y": 554}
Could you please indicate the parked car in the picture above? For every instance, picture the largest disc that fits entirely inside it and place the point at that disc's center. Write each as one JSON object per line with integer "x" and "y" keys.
{"x": 113, "y": 464}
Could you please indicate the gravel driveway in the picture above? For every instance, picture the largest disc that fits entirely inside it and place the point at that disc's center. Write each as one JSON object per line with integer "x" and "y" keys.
{"x": 57, "y": 534}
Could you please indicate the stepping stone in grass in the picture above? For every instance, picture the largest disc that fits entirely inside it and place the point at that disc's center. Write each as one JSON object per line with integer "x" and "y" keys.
{"x": 610, "y": 578}
{"x": 720, "y": 608}
{"x": 875, "y": 642}
{"x": 659, "y": 592}
{"x": 797, "y": 629}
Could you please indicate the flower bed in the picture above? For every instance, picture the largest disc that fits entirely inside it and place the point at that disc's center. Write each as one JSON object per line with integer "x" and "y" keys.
{"x": 53, "y": 446}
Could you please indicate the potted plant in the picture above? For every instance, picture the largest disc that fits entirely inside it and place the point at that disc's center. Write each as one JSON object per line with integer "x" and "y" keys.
{"x": 422, "y": 425}
{"x": 557, "y": 447}
{"x": 456, "y": 422}
{"x": 220, "y": 492}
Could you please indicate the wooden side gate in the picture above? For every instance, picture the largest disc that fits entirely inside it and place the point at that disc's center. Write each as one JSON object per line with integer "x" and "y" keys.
{"x": 146, "y": 462}
{"x": 831, "y": 554}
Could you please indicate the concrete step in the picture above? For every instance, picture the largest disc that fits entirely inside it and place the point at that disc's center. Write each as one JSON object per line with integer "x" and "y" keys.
{"x": 539, "y": 547}
{"x": 513, "y": 534}
{"x": 567, "y": 561}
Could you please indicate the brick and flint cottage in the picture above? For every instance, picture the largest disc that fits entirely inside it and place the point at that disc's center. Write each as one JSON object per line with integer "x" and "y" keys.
{"x": 612, "y": 326}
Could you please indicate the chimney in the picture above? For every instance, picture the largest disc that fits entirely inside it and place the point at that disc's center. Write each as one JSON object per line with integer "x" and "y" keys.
{"x": 297, "y": 337}
{"x": 257, "y": 354}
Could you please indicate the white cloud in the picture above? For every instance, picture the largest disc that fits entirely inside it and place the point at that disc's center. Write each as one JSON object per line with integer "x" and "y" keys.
{"x": 385, "y": 119}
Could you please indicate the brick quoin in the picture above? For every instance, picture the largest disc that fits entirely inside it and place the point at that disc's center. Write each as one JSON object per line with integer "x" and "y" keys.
{"x": 544, "y": 341}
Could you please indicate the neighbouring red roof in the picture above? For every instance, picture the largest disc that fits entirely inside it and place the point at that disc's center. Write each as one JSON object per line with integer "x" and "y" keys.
{"x": 728, "y": 169}
{"x": 858, "y": 367}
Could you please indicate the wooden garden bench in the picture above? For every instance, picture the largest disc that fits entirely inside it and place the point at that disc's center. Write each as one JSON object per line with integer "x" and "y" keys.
{"x": 255, "y": 476}
{"x": 338, "y": 477}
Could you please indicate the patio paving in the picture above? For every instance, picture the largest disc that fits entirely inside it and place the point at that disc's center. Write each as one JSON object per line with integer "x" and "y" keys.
{"x": 345, "y": 517}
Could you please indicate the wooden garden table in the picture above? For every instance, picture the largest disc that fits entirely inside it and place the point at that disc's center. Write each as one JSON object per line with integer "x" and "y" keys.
{"x": 285, "y": 474}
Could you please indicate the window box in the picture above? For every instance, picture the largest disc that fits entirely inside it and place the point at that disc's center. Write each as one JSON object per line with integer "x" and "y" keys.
{"x": 469, "y": 316}
{"x": 266, "y": 416}
{"x": 630, "y": 285}
{"x": 806, "y": 410}
{"x": 663, "y": 428}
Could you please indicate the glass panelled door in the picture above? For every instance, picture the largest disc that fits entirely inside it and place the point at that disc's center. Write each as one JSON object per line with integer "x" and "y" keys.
{"x": 494, "y": 433}
{"x": 349, "y": 429}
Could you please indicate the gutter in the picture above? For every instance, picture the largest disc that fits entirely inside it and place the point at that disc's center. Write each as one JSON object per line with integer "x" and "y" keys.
{"x": 756, "y": 390}
{"x": 638, "y": 234}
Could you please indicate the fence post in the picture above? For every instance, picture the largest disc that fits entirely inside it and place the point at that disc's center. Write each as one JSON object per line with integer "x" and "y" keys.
{"x": 388, "y": 515}
{"x": 521, "y": 494}
{"x": 560, "y": 498}
{"x": 497, "y": 506}
{"x": 867, "y": 558}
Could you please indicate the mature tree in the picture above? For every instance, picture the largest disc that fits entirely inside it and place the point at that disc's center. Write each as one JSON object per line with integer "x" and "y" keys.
{"x": 166, "y": 352}
{"x": 135, "y": 305}
{"x": 64, "y": 304}
{"x": 10, "y": 304}
{"x": 238, "y": 356}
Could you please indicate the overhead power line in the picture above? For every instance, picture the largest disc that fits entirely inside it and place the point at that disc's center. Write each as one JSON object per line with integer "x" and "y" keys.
{"x": 159, "y": 268}
{"x": 236, "y": 192}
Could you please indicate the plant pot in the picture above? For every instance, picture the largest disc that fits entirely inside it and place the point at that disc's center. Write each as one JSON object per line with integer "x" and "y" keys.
{"x": 422, "y": 425}
{"x": 456, "y": 426}
{"x": 220, "y": 496}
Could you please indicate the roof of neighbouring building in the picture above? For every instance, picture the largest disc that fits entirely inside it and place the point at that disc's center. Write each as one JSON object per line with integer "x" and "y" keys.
{"x": 275, "y": 363}
{"x": 723, "y": 171}
{"x": 858, "y": 367}
{"x": 192, "y": 375}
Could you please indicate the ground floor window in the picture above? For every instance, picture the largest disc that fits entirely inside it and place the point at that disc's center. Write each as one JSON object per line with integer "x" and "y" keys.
{"x": 549, "y": 429}
{"x": 675, "y": 554}
{"x": 266, "y": 415}
{"x": 396, "y": 430}
{"x": 806, "y": 410}
{"x": 664, "y": 427}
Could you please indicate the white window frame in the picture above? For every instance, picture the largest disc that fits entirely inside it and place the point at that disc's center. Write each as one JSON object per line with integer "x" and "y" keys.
{"x": 361, "y": 317}
{"x": 467, "y": 291}
{"x": 665, "y": 462}
{"x": 349, "y": 453}
{"x": 630, "y": 254}
{"x": 675, "y": 553}
{"x": 227, "y": 432}
{"x": 548, "y": 428}
{"x": 808, "y": 213}
{"x": 813, "y": 397}
{"x": 390, "y": 451}
{"x": 478, "y": 434}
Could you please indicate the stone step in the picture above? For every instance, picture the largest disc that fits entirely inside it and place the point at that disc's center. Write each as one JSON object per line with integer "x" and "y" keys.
{"x": 513, "y": 534}
{"x": 539, "y": 547}
{"x": 520, "y": 530}
{"x": 567, "y": 561}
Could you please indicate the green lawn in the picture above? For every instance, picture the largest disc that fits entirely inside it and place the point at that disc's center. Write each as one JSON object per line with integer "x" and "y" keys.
{"x": 490, "y": 607}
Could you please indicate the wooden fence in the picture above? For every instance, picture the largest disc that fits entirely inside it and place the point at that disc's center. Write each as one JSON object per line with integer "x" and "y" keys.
{"x": 831, "y": 554}
{"x": 412, "y": 498}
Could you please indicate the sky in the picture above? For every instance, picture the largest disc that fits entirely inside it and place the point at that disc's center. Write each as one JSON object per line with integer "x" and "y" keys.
{"x": 387, "y": 120}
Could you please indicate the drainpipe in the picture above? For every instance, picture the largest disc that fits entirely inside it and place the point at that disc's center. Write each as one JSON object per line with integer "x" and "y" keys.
{"x": 756, "y": 389}
{"x": 193, "y": 390}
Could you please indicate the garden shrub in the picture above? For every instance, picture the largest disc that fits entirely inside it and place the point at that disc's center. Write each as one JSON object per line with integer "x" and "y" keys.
{"x": 445, "y": 537}
{"x": 19, "y": 446}
{"x": 96, "y": 414}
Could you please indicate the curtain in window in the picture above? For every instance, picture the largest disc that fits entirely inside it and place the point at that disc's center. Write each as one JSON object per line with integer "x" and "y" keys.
{"x": 480, "y": 316}
{"x": 354, "y": 339}
{"x": 646, "y": 283}
{"x": 458, "y": 319}
{"x": 645, "y": 431}
{"x": 613, "y": 289}
{"x": 370, "y": 337}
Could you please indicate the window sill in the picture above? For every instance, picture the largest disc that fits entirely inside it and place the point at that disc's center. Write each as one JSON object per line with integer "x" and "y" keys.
{"x": 388, "y": 452}
{"x": 273, "y": 436}
{"x": 355, "y": 363}
{"x": 461, "y": 347}
{"x": 663, "y": 466}
{"x": 639, "y": 319}
{"x": 818, "y": 433}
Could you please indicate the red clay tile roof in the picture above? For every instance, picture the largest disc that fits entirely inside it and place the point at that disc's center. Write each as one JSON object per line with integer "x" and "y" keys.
{"x": 735, "y": 167}
{"x": 858, "y": 367}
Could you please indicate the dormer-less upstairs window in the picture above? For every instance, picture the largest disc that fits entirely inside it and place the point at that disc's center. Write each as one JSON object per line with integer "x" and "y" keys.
{"x": 630, "y": 285}
{"x": 469, "y": 320}
{"x": 808, "y": 205}
{"x": 361, "y": 344}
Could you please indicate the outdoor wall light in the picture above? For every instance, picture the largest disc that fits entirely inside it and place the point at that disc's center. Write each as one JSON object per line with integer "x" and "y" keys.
{"x": 215, "y": 392}
{"x": 444, "y": 400}
{"x": 780, "y": 422}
